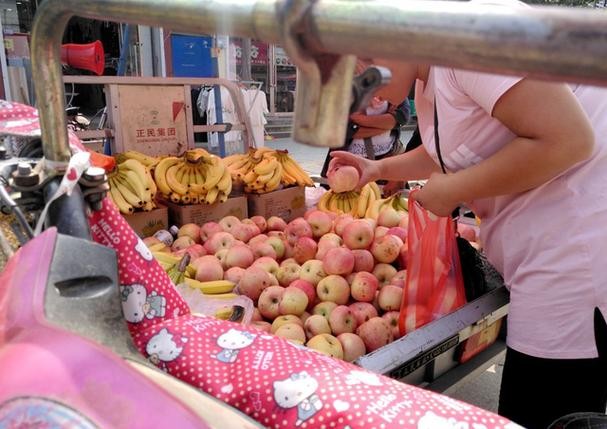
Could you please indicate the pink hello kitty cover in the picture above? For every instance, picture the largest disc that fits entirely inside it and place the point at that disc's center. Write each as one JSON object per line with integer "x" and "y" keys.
{"x": 277, "y": 383}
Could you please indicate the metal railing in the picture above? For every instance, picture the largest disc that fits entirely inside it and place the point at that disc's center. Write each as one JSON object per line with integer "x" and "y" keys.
{"x": 322, "y": 36}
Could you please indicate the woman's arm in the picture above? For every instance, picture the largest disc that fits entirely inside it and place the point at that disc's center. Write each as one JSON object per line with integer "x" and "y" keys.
{"x": 385, "y": 121}
{"x": 553, "y": 133}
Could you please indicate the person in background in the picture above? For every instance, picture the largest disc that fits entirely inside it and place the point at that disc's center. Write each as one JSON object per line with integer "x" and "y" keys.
{"x": 375, "y": 134}
{"x": 530, "y": 158}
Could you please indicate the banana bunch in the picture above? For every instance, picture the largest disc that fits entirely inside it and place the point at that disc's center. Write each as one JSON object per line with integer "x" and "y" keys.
{"x": 397, "y": 201}
{"x": 148, "y": 161}
{"x": 264, "y": 170}
{"x": 132, "y": 187}
{"x": 195, "y": 178}
{"x": 353, "y": 202}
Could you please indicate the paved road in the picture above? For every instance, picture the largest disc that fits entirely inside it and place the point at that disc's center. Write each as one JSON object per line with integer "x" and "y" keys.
{"x": 482, "y": 391}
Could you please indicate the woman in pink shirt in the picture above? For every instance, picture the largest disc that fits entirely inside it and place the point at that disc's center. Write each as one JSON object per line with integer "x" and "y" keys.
{"x": 530, "y": 158}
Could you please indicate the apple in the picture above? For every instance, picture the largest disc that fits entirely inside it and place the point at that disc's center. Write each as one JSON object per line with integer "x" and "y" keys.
{"x": 288, "y": 274}
{"x": 363, "y": 260}
{"x": 190, "y": 230}
{"x": 253, "y": 282}
{"x": 234, "y": 274}
{"x": 341, "y": 320}
{"x": 404, "y": 222}
{"x": 288, "y": 250}
{"x": 256, "y": 316}
{"x": 364, "y": 286}
{"x": 247, "y": 221}
{"x": 262, "y": 325}
{"x": 292, "y": 332}
{"x": 403, "y": 257}
{"x": 384, "y": 273}
{"x": 268, "y": 264}
{"x": 380, "y": 231}
{"x": 320, "y": 222}
{"x": 399, "y": 279}
{"x": 274, "y": 223}
{"x": 260, "y": 238}
{"x": 343, "y": 178}
{"x": 324, "y": 247}
{"x": 390, "y": 298}
{"x": 332, "y": 238}
{"x": 294, "y": 301}
{"x": 316, "y": 324}
{"x": 324, "y": 309}
{"x": 308, "y": 288}
{"x": 283, "y": 320}
{"x": 244, "y": 232}
{"x": 415, "y": 316}
{"x": 279, "y": 234}
{"x": 338, "y": 261}
{"x": 353, "y": 346}
{"x": 288, "y": 261}
{"x": 261, "y": 222}
{"x": 221, "y": 257}
{"x": 333, "y": 288}
{"x": 386, "y": 249}
{"x": 278, "y": 245}
{"x": 208, "y": 268}
{"x": 399, "y": 232}
{"x": 229, "y": 222}
{"x": 466, "y": 231}
{"x": 208, "y": 230}
{"x": 372, "y": 222}
{"x": 358, "y": 234}
{"x": 269, "y": 302}
{"x": 375, "y": 303}
{"x": 239, "y": 256}
{"x": 182, "y": 243}
{"x": 326, "y": 344}
{"x": 219, "y": 240}
{"x": 392, "y": 318}
{"x": 350, "y": 278}
{"x": 296, "y": 229}
{"x": 363, "y": 311}
{"x": 312, "y": 271}
{"x": 389, "y": 217}
{"x": 263, "y": 249}
{"x": 304, "y": 249}
{"x": 375, "y": 333}
{"x": 150, "y": 241}
{"x": 195, "y": 251}
{"x": 305, "y": 315}
{"x": 340, "y": 223}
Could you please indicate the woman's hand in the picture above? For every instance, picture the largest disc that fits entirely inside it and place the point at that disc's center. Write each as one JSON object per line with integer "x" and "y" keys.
{"x": 368, "y": 170}
{"x": 437, "y": 195}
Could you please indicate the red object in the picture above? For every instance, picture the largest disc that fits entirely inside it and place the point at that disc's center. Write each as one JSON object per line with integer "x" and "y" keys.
{"x": 86, "y": 57}
{"x": 435, "y": 285}
{"x": 177, "y": 107}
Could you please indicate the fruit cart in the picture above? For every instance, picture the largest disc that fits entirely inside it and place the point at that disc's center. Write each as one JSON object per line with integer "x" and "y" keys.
{"x": 319, "y": 36}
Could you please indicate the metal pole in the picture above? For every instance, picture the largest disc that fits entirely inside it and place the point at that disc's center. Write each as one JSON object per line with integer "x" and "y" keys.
{"x": 556, "y": 43}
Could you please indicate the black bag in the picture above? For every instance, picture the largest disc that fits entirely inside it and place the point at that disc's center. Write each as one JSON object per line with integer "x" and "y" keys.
{"x": 471, "y": 260}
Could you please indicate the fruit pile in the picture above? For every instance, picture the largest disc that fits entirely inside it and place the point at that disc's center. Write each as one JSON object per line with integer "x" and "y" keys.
{"x": 333, "y": 283}
{"x": 132, "y": 187}
{"x": 196, "y": 177}
{"x": 265, "y": 170}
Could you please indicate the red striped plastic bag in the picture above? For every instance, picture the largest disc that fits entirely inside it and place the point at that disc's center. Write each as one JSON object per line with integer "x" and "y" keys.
{"x": 435, "y": 285}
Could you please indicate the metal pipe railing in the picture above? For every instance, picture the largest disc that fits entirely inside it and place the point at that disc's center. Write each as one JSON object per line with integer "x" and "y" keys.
{"x": 553, "y": 43}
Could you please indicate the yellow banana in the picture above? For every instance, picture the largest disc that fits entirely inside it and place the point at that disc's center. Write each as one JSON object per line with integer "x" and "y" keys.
{"x": 375, "y": 190}
{"x": 174, "y": 184}
{"x": 211, "y": 196}
{"x": 324, "y": 199}
{"x": 118, "y": 199}
{"x": 124, "y": 188}
{"x": 223, "y": 197}
{"x": 274, "y": 182}
{"x": 363, "y": 202}
{"x": 250, "y": 178}
{"x": 215, "y": 173}
{"x": 211, "y": 287}
{"x": 160, "y": 173}
{"x": 138, "y": 184}
{"x": 266, "y": 166}
{"x": 151, "y": 183}
{"x": 225, "y": 183}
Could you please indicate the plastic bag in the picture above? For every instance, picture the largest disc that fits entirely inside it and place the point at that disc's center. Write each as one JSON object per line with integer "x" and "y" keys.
{"x": 237, "y": 309}
{"x": 435, "y": 285}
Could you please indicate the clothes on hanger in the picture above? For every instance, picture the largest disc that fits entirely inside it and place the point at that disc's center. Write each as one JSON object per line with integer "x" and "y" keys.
{"x": 228, "y": 110}
{"x": 256, "y": 106}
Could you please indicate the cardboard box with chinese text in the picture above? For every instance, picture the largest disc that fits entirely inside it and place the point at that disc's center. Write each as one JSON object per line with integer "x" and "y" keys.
{"x": 145, "y": 224}
{"x": 287, "y": 203}
{"x": 201, "y": 213}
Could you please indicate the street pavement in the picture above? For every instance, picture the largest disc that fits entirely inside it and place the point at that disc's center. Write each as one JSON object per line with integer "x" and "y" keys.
{"x": 482, "y": 391}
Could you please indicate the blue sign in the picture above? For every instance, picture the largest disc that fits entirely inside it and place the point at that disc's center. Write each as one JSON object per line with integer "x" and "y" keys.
{"x": 191, "y": 56}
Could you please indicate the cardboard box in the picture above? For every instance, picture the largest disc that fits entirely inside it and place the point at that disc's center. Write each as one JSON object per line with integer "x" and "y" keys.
{"x": 202, "y": 213}
{"x": 146, "y": 224}
{"x": 287, "y": 203}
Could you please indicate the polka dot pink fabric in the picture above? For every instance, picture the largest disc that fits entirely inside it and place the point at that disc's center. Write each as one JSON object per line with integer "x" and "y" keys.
{"x": 278, "y": 383}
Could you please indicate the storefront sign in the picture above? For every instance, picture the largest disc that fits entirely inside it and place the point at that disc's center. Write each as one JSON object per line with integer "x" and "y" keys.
{"x": 259, "y": 52}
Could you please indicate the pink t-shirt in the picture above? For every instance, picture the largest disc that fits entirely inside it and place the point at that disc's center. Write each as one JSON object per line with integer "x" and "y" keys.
{"x": 550, "y": 243}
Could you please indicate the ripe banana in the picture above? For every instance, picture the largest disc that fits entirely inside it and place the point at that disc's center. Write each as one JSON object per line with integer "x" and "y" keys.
{"x": 160, "y": 173}
{"x": 211, "y": 287}
{"x": 118, "y": 199}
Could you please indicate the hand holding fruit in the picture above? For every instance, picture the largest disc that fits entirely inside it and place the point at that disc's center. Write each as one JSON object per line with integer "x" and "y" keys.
{"x": 368, "y": 170}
